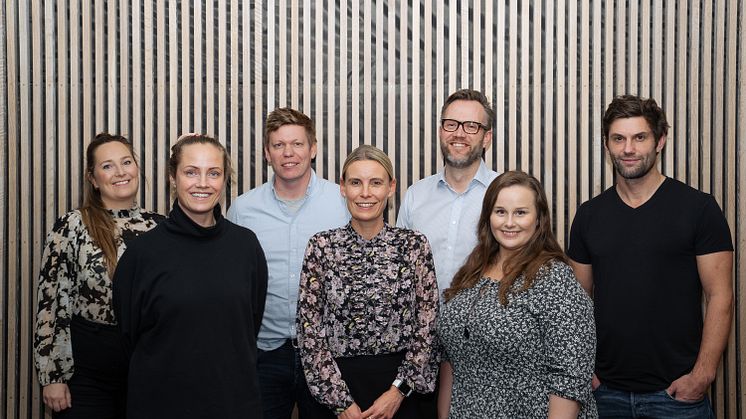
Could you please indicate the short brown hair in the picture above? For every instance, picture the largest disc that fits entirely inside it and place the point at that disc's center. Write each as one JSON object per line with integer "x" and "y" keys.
{"x": 475, "y": 95}
{"x": 631, "y": 106}
{"x": 288, "y": 116}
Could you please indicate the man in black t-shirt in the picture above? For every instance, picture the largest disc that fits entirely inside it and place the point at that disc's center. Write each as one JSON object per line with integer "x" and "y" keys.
{"x": 647, "y": 249}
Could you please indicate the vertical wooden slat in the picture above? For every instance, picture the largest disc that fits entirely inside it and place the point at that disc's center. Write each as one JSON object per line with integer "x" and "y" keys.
{"x": 355, "y": 79}
{"x": 100, "y": 87}
{"x": 76, "y": 151}
{"x": 549, "y": 64}
{"x": 608, "y": 87}
{"x": 571, "y": 108}
{"x": 161, "y": 112}
{"x": 706, "y": 96}
{"x": 10, "y": 377}
{"x": 587, "y": 136}
{"x": 21, "y": 360}
{"x": 6, "y": 45}
{"x": 235, "y": 138}
{"x": 440, "y": 54}
{"x": 525, "y": 93}
{"x": 498, "y": 135}
{"x": 620, "y": 53}
{"x": 475, "y": 72}
{"x": 560, "y": 135}
{"x": 187, "y": 65}
{"x": 174, "y": 49}
{"x": 258, "y": 88}
{"x": 404, "y": 106}
{"x": 149, "y": 101}
{"x": 631, "y": 38}
{"x": 693, "y": 163}
{"x": 366, "y": 95}
{"x": 681, "y": 75}
{"x": 452, "y": 56}
{"x": 415, "y": 156}
{"x": 331, "y": 80}
{"x": 306, "y": 82}
{"x": 294, "y": 62}
{"x": 598, "y": 106}
{"x": 89, "y": 90}
{"x": 740, "y": 157}
{"x": 210, "y": 68}
{"x": 125, "y": 105}
{"x": 512, "y": 85}
{"x": 671, "y": 69}
{"x": 222, "y": 81}
{"x": 463, "y": 36}
{"x": 644, "y": 47}
{"x": 488, "y": 69}
{"x": 196, "y": 63}
{"x": 112, "y": 50}
{"x": 536, "y": 115}
{"x": 50, "y": 119}
{"x": 429, "y": 132}
{"x": 322, "y": 77}
{"x": 343, "y": 91}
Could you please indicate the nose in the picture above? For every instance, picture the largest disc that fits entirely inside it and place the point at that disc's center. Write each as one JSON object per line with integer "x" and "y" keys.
{"x": 287, "y": 150}
{"x": 509, "y": 220}
{"x": 366, "y": 190}
{"x": 202, "y": 180}
{"x": 629, "y": 146}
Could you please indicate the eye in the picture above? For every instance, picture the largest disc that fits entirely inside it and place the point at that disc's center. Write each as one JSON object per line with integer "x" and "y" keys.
{"x": 471, "y": 125}
{"x": 277, "y": 146}
{"x": 499, "y": 211}
{"x": 377, "y": 182}
{"x": 354, "y": 182}
{"x": 298, "y": 144}
{"x": 127, "y": 162}
{"x": 520, "y": 212}
{"x": 106, "y": 166}
{"x": 215, "y": 173}
{"x": 190, "y": 172}
{"x": 641, "y": 137}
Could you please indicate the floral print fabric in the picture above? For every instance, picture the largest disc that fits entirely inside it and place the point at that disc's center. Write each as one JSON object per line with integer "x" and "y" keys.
{"x": 73, "y": 280}
{"x": 366, "y": 297}
{"x": 507, "y": 360}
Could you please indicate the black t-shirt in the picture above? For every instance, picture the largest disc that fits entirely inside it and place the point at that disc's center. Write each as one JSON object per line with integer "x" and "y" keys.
{"x": 647, "y": 291}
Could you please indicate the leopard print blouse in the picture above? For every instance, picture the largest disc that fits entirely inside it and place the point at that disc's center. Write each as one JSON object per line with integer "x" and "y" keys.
{"x": 73, "y": 280}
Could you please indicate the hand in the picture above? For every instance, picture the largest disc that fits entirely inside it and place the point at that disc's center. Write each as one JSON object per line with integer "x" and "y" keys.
{"x": 595, "y": 382}
{"x": 57, "y": 396}
{"x": 352, "y": 412}
{"x": 385, "y": 406}
{"x": 688, "y": 388}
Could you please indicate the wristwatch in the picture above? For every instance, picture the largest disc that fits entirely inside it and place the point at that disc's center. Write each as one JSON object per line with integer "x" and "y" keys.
{"x": 403, "y": 387}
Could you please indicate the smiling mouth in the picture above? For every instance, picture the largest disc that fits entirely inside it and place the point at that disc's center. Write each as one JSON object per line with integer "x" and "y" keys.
{"x": 510, "y": 233}
{"x": 365, "y": 204}
{"x": 121, "y": 182}
{"x": 458, "y": 145}
{"x": 200, "y": 195}
{"x": 289, "y": 164}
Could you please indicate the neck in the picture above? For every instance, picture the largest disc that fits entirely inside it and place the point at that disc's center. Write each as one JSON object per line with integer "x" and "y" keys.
{"x": 203, "y": 220}
{"x": 292, "y": 189}
{"x": 460, "y": 177}
{"x": 368, "y": 229}
{"x": 635, "y": 192}
{"x": 118, "y": 205}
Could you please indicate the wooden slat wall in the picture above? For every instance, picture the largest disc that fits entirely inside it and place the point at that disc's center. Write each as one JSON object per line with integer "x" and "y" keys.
{"x": 367, "y": 72}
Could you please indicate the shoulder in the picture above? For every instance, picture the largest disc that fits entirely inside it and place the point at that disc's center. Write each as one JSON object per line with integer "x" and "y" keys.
{"x": 328, "y": 237}
{"x": 555, "y": 275}
{"x": 249, "y": 197}
{"x": 682, "y": 193}
{"x": 409, "y": 236}
{"x": 68, "y": 225}
{"x": 152, "y": 217}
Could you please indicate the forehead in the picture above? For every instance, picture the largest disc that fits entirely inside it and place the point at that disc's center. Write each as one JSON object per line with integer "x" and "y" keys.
{"x": 366, "y": 169}
{"x": 201, "y": 155}
{"x": 289, "y": 133}
{"x": 113, "y": 150}
{"x": 629, "y": 126}
{"x": 515, "y": 196}
{"x": 465, "y": 110}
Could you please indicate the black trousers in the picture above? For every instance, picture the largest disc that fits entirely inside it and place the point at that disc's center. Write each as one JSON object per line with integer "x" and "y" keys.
{"x": 98, "y": 387}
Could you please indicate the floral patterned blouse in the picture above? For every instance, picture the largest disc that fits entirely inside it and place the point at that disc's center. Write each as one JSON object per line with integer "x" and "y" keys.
{"x": 366, "y": 297}
{"x": 73, "y": 280}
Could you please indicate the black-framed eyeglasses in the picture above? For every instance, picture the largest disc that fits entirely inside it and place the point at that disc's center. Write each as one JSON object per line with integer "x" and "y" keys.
{"x": 470, "y": 127}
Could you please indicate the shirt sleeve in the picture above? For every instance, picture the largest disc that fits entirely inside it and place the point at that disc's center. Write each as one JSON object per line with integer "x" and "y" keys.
{"x": 577, "y": 249}
{"x": 569, "y": 333}
{"x": 57, "y": 291}
{"x": 419, "y": 367}
{"x": 404, "y": 220}
{"x": 713, "y": 233}
{"x": 322, "y": 373}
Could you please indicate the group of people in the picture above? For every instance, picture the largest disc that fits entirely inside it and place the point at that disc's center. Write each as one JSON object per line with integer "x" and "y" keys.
{"x": 304, "y": 297}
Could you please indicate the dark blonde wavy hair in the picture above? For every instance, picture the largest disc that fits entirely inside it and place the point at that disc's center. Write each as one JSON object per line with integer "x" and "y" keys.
{"x": 97, "y": 219}
{"x": 541, "y": 248}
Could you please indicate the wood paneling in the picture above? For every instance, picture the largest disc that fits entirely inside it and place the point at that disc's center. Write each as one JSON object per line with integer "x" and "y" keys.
{"x": 369, "y": 71}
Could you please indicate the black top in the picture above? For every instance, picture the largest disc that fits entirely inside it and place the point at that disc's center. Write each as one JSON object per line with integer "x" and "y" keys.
{"x": 647, "y": 289}
{"x": 189, "y": 301}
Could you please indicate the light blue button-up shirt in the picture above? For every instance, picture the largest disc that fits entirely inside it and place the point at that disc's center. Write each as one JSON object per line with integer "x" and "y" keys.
{"x": 284, "y": 236}
{"x": 447, "y": 218}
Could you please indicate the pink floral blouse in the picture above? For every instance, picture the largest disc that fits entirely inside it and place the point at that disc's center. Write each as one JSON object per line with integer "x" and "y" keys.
{"x": 366, "y": 297}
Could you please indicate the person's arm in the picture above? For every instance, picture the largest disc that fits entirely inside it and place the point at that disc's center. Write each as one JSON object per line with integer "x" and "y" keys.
{"x": 445, "y": 390}
{"x": 584, "y": 275}
{"x": 56, "y": 292}
{"x": 568, "y": 338}
{"x": 418, "y": 368}
{"x": 260, "y": 285}
{"x": 715, "y": 272}
{"x": 322, "y": 373}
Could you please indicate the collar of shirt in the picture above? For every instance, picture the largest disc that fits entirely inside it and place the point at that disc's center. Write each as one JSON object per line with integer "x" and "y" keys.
{"x": 482, "y": 176}
{"x": 312, "y": 186}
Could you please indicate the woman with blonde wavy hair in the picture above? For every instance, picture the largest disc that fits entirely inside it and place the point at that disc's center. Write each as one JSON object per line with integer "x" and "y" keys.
{"x": 516, "y": 329}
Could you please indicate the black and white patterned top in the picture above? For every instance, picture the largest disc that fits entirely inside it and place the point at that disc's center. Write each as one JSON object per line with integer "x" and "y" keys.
{"x": 507, "y": 360}
{"x": 73, "y": 280}
{"x": 366, "y": 297}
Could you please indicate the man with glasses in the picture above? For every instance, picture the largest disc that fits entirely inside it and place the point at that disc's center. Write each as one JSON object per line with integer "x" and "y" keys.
{"x": 445, "y": 207}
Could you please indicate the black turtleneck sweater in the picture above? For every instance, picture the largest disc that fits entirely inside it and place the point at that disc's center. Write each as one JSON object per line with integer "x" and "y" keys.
{"x": 189, "y": 301}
